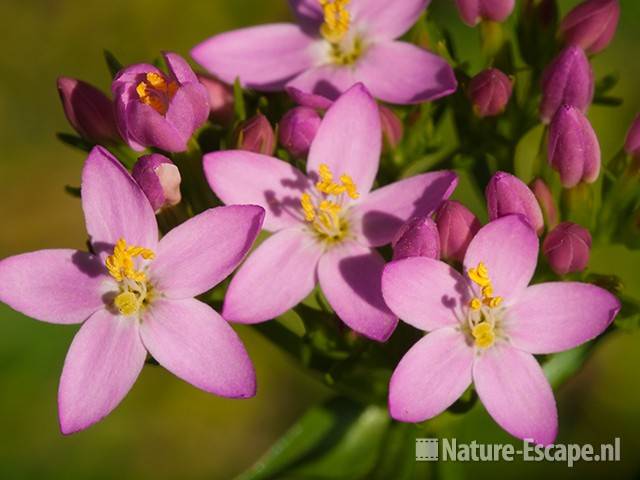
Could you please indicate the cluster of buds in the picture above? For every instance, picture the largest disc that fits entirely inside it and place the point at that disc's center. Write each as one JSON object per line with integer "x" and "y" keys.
{"x": 474, "y": 11}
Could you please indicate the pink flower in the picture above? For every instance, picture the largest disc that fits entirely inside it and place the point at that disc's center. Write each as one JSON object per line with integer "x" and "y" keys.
{"x": 325, "y": 223}
{"x": 485, "y": 326}
{"x": 135, "y": 294}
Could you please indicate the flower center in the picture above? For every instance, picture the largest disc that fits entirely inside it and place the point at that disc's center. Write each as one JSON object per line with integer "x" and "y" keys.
{"x": 484, "y": 312}
{"x": 324, "y": 208}
{"x": 135, "y": 291}
{"x": 343, "y": 50}
{"x": 156, "y": 91}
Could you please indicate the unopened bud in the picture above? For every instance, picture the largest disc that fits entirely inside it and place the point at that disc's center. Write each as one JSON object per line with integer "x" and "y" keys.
{"x": 473, "y": 11}
{"x": 507, "y": 194}
{"x": 546, "y": 201}
{"x": 256, "y": 135}
{"x": 298, "y": 128}
{"x": 490, "y": 92}
{"x": 220, "y": 99}
{"x": 159, "y": 179}
{"x": 567, "y": 248}
{"x": 591, "y": 24}
{"x": 457, "y": 226}
{"x": 418, "y": 237}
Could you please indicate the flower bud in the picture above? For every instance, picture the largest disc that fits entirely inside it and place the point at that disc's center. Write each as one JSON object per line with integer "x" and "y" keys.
{"x": 88, "y": 110}
{"x": 490, "y": 91}
{"x": 507, "y": 194}
{"x": 392, "y": 129}
{"x": 418, "y": 237}
{"x": 297, "y": 130}
{"x": 567, "y": 248}
{"x": 457, "y": 226}
{"x": 159, "y": 179}
{"x": 256, "y": 135}
{"x": 220, "y": 99}
{"x": 632, "y": 142}
{"x": 472, "y": 11}
{"x": 567, "y": 80}
{"x": 546, "y": 201}
{"x": 573, "y": 148}
{"x": 591, "y": 24}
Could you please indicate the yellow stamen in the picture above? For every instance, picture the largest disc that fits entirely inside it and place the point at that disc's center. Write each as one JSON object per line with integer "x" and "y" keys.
{"x": 336, "y": 20}
{"x": 480, "y": 276}
{"x": 483, "y": 334}
{"x": 121, "y": 265}
{"x": 156, "y": 92}
{"x": 475, "y": 303}
{"x": 307, "y": 207}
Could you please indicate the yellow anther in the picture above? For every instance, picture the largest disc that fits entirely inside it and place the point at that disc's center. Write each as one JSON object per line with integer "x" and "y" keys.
{"x": 336, "y": 20}
{"x": 479, "y": 275}
{"x": 493, "y": 302}
{"x": 127, "y": 303}
{"x": 307, "y": 207}
{"x": 483, "y": 334}
{"x": 475, "y": 304}
{"x": 349, "y": 186}
{"x": 120, "y": 264}
{"x": 156, "y": 92}
{"x": 487, "y": 291}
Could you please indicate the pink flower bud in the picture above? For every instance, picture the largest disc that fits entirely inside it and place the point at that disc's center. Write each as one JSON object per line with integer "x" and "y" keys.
{"x": 632, "y": 142}
{"x": 472, "y": 11}
{"x": 418, "y": 237}
{"x": 567, "y": 80}
{"x": 392, "y": 128}
{"x": 490, "y": 91}
{"x": 457, "y": 226}
{"x": 88, "y": 110}
{"x": 507, "y": 194}
{"x": 591, "y": 24}
{"x": 256, "y": 135}
{"x": 546, "y": 201}
{"x": 220, "y": 99}
{"x": 573, "y": 148}
{"x": 297, "y": 130}
{"x": 567, "y": 248}
{"x": 159, "y": 179}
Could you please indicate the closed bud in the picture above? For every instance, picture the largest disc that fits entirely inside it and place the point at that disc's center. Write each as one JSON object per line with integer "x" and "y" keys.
{"x": 418, "y": 237}
{"x": 472, "y": 11}
{"x": 88, "y": 110}
{"x": 507, "y": 195}
{"x": 159, "y": 179}
{"x": 632, "y": 142}
{"x": 573, "y": 148}
{"x": 297, "y": 130}
{"x": 546, "y": 201}
{"x": 567, "y": 80}
{"x": 456, "y": 226}
{"x": 256, "y": 135}
{"x": 221, "y": 109}
{"x": 392, "y": 129}
{"x": 490, "y": 92}
{"x": 591, "y": 24}
{"x": 567, "y": 248}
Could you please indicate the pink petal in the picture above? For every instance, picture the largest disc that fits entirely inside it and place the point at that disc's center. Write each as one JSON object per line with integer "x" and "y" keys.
{"x": 515, "y": 392}
{"x": 197, "y": 255}
{"x": 188, "y": 109}
{"x": 328, "y": 81}
{"x": 508, "y": 247}
{"x": 398, "y": 72}
{"x": 384, "y": 211}
{"x": 179, "y": 68}
{"x": 385, "y": 19}
{"x": 308, "y": 13}
{"x": 350, "y": 276}
{"x": 57, "y": 286}
{"x": 103, "y": 362}
{"x": 243, "y": 177}
{"x": 114, "y": 205}
{"x": 275, "y": 278}
{"x": 556, "y": 316}
{"x": 349, "y": 139}
{"x": 192, "y": 341}
{"x": 424, "y": 292}
{"x": 431, "y": 376}
{"x": 263, "y": 57}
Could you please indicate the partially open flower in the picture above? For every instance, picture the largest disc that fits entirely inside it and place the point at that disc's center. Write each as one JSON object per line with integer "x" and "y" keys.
{"x": 159, "y": 179}
{"x": 591, "y": 24}
{"x": 567, "y": 248}
{"x": 507, "y": 194}
{"x": 418, "y": 237}
{"x": 297, "y": 130}
{"x": 220, "y": 99}
{"x": 256, "y": 135}
{"x": 490, "y": 92}
{"x": 473, "y": 11}
{"x": 457, "y": 225}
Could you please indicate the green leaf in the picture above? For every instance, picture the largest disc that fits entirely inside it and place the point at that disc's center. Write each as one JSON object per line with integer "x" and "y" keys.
{"x": 75, "y": 141}
{"x": 527, "y": 151}
{"x": 606, "y": 83}
{"x": 562, "y": 366}
{"x": 238, "y": 101}
{"x": 113, "y": 64}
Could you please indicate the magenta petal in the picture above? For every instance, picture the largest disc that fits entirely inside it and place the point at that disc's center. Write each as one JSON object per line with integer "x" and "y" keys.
{"x": 424, "y": 292}
{"x": 431, "y": 376}
{"x": 239, "y": 177}
{"x": 515, "y": 392}
{"x": 188, "y": 109}
{"x": 308, "y": 13}
{"x": 192, "y": 341}
{"x": 398, "y": 72}
{"x": 328, "y": 81}
{"x": 310, "y": 100}
{"x": 148, "y": 127}
{"x": 114, "y": 205}
{"x": 277, "y": 276}
{"x": 385, "y": 19}
{"x": 351, "y": 276}
{"x": 349, "y": 139}
{"x": 204, "y": 250}
{"x": 57, "y": 286}
{"x": 102, "y": 364}
{"x": 556, "y": 316}
{"x": 383, "y": 212}
{"x": 508, "y": 247}
{"x": 179, "y": 68}
{"x": 263, "y": 57}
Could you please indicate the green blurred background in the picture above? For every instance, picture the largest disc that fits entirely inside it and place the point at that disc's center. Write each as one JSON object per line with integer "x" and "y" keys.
{"x": 166, "y": 428}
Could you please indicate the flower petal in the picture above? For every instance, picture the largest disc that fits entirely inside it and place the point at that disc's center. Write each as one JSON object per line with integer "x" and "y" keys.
{"x": 103, "y": 362}
{"x": 431, "y": 376}
{"x": 349, "y": 139}
{"x": 556, "y": 316}
{"x": 310, "y": 100}
{"x": 275, "y": 278}
{"x": 263, "y": 57}
{"x": 384, "y": 19}
{"x": 398, "y": 72}
{"x": 188, "y": 109}
{"x": 308, "y": 13}
{"x": 114, "y": 205}
{"x": 179, "y": 68}
{"x": 383, "y": 212}
{"x": 243, "y": 177}
{"x": 508, "y": 247}
{"x": 515, "y": 392}
{"x": 350, "y": 276}
{"x": 147, "y": 127}
{"x": 328, "y": 81}
{"x": 204, "y": 250}
{"x": 424, "y": 292}
{"x": 192, "y": 341}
